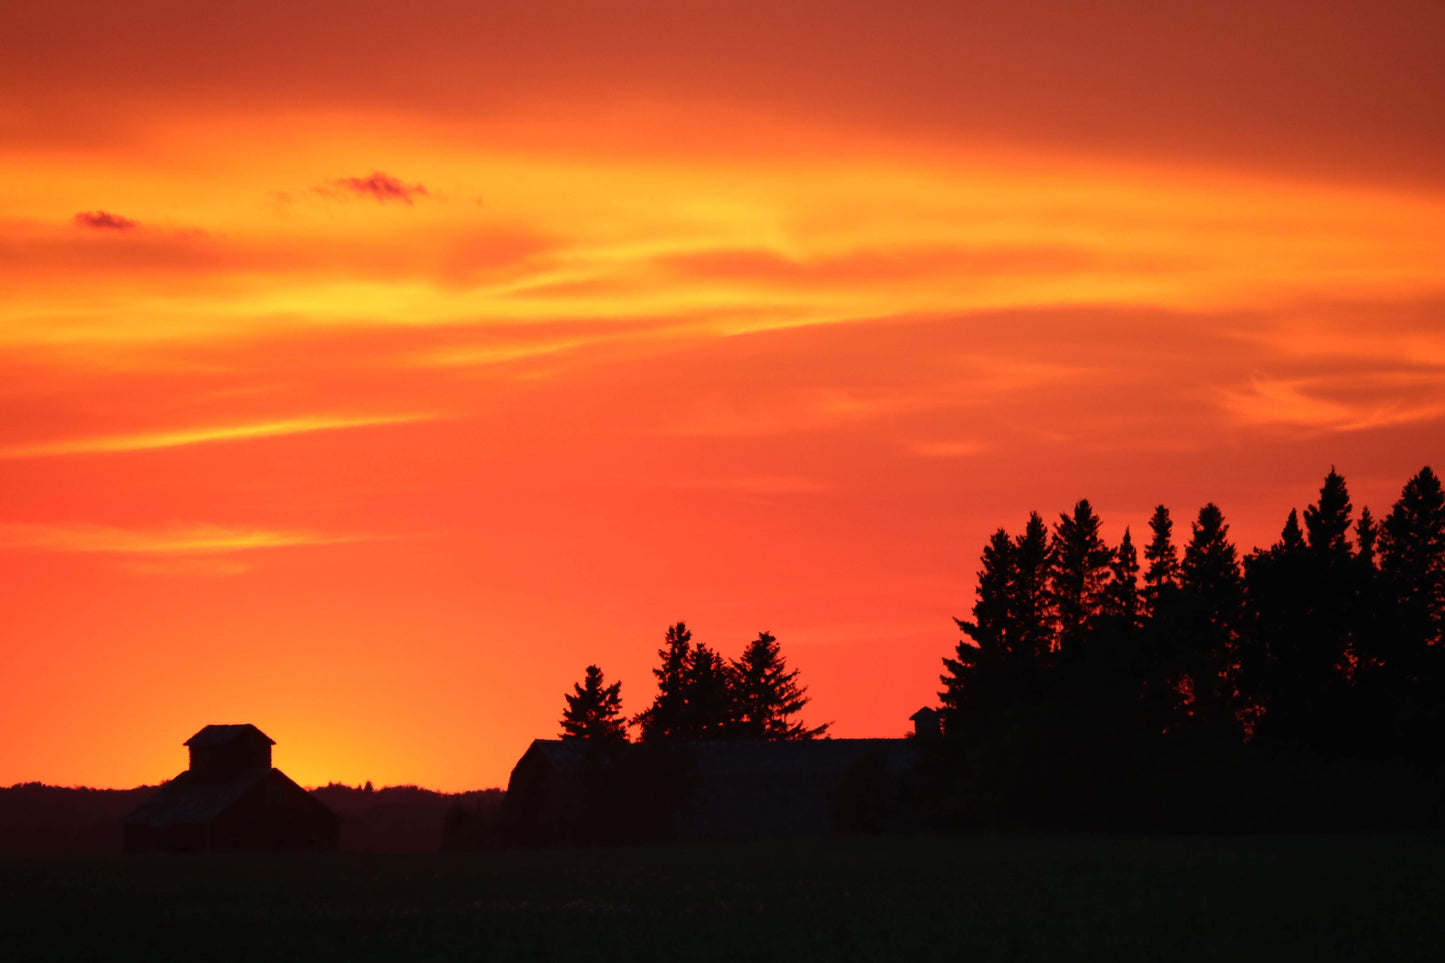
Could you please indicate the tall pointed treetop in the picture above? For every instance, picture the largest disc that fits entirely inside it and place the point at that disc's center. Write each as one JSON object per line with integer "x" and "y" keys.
{"x": 594, "y": 710}
{"x": 1328, "y": 520}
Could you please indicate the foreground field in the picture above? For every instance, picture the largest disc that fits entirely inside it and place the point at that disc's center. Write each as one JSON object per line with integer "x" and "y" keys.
{"x": 991, "y": 898}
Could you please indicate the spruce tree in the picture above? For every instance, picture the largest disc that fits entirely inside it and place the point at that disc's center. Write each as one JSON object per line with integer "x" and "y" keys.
{"x": 1328, "y": 520}
{"x": 708, "y": 709}
{"x": 1367, "y": 534}
{"x": 594, "y": 710}
{"x": 1212, "y": 595}
{"x": 767, "y": 695}
{"x": 1121, "y": 599}
{"x": 1032, "y": 635}
{"x": 1412, "y": 555}
{"x": 1078, "y": 574}
{"x": 664, "y": 718}
{"x": 1162, "y": 572}
{"x": 971, "y": 677}
{"x": 1291, "y": 539}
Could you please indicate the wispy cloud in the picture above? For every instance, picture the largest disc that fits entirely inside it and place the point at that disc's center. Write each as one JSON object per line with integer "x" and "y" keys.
{"x": 382, "y": 187}
{"x": 192, "y": 539}
{"x": 175, "y": 438}
{"x": 1301, "y": 403}
{"x": 493, "y": 354}
{"x": 948, "y": 449}
{"x": 105, "y": 221}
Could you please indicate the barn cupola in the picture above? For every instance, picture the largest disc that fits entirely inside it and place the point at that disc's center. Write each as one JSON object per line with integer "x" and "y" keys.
{"x": 219, "y": 752}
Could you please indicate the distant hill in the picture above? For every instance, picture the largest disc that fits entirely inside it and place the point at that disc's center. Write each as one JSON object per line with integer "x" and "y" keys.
{"x": 40, "y": 820}
{"x": 400, "y": 819}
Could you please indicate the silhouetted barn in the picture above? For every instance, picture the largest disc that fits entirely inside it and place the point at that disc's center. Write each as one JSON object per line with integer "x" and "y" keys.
{"x": 576, "y": 791}
{"x": 230, "y": 800}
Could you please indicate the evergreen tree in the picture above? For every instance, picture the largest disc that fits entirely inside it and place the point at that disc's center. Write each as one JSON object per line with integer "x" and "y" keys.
{"x": 664, "y": 718}
{"x": 1032, "y": 636}
{"x": 1212, "y": 594}
{"x": 993, "y": 624}
{"x": 1163, "y": 562}
{"x": 1367, "y": 534}
{"x": 1078, "y": 574}
{"x": 1412, "y": 555}
{"x": 594, "y": 710}
{"x": 971, "y": 677}
{"x": 1121, "y": 598}
{"x": 708, "y": 708}
{"x": 1291, "y": 540}
{"x": 1332, "y": 604}
{"x": 767, "y": 695}
{"x": 1211, "y": 565}
{"x": 1277, "y": 673}
{"x": 1328, "y": 520}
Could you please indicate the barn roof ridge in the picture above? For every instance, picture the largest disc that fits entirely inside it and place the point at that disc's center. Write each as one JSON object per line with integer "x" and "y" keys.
{"x": 220, "y": 735}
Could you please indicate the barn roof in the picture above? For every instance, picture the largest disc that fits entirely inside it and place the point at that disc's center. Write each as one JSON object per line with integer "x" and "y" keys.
{"x": 224, "y": 735}
{"x": 186, "y": 799}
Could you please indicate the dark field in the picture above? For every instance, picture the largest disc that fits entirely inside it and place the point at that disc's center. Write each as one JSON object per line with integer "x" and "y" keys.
{"x": 958, "y": 898}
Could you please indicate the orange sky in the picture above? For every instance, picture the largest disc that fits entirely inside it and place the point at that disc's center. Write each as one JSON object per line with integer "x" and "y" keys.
{"x": 368, "y": 369}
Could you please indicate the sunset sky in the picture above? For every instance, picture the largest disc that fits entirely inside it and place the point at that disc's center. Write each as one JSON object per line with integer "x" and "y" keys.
{"x": 367, "y": 369}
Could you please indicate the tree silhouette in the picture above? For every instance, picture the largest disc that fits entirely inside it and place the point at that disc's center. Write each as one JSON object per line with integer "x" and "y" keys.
{"x": 1121, "y": 597}
{"x": 1078, "y": 574}
{"x": 708, "y": 709}
{"x": 1212, "y": 598}
{"x": 1328, "y": 520}
{"x": 594, "y": 710}
{"x": 980, "y": 658}
{"x": 1032, "y": 616}
{"x": 1412, "y": 570}
{"x": 1367, "y": 534}
{"x": 664, "y": 719}
{"x": 1291, "y": 539}
{"x": 1163, "y": 568}
{"x": 1413, "y": 554}
{"x": 1307, "y": 690}
{"x": 766, "y": 694}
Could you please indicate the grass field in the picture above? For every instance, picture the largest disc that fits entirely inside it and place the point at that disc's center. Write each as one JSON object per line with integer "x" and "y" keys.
{"x": 958, "y": 898}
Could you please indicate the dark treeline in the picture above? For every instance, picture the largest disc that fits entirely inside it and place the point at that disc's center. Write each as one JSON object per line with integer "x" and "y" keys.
{"x": 1300, "y": 686}
{"x": 40, "y": 820}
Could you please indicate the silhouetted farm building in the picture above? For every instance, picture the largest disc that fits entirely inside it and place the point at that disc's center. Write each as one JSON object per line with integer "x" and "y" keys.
{"x": 577, "y": 791}
{"x": 230, "y": 800}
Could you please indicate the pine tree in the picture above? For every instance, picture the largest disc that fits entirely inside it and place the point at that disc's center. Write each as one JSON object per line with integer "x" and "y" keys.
{"x": 979, "y": 659}
{"x": 708, "y": 709}
{"x": 1412, "y": 554}
{"x": 1163, "y": 571}
{"x": 1328, "y": 520}
{"x": 1121, "y": 598}
{"x": 1032, "y": 636}
{"x": 594, "y": 710}
{"x": 767, "y": 695}
{"x": 1212, "y": 594}
{"x": 1079, "y": 572}
{"x": 1211, "y": 565}
{"x": 664, "y": 718}
{"x": 1367, "y": 534}
{"x": 1291, "y": 539}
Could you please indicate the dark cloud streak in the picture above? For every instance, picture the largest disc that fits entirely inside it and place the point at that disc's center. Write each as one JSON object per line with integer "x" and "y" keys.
{"x": 381, "y": 186}
{"x": 105, "y": 221}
